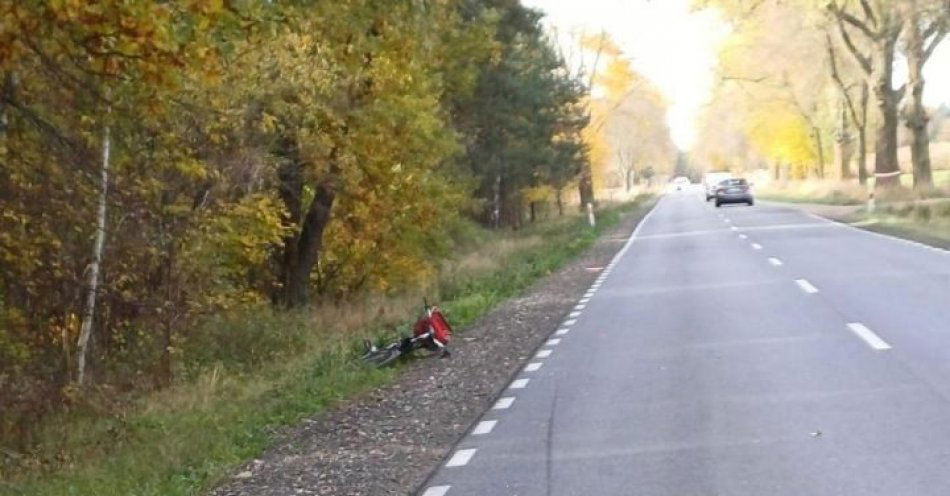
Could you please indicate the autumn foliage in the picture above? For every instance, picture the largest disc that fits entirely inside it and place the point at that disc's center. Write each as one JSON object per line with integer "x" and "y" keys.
{"x": 257, "y": 153}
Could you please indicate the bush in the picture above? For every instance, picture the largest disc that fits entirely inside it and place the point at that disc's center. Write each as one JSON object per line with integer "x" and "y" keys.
{"x": 244, "y": 340}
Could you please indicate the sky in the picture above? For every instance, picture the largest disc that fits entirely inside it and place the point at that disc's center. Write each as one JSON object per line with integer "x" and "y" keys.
{"x": 676, "y": 48}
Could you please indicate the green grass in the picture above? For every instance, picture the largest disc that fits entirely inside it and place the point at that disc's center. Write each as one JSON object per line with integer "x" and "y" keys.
{"x": 822, "y": 199}
{"x": 182, "y": 440}
{"x": 927, "y": 223}
{"x": 941, "y": 179}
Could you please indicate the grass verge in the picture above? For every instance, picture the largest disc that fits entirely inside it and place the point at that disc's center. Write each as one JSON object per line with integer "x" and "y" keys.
{"x": 182, "y": 440}
{"x": 833, "y": 198}
{"x": 927, "y": 223}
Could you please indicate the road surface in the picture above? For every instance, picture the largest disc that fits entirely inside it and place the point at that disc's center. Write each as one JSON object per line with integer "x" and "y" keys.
{"x": 732, "y": 351}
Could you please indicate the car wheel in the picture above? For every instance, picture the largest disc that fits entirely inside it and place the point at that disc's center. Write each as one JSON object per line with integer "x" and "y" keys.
{"x": 751, "y": 203}
{"x": 718, "y": 204}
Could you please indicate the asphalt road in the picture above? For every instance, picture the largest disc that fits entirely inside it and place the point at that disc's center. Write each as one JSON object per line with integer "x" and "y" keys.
{"x": 732, "y": 351}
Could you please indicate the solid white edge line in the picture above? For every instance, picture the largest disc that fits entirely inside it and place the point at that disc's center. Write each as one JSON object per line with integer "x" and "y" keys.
{"x": 873, "y": 340}
{"x": 533, "y": 366}
{"x": 519, "y": 383}
{"x": 437, "y": 491}
{"x": 543, "y": 353}
{"x": 806, "y": 286}
{"x": 503, "y": 403}
{"x": 935, "y": 249}
{"x": 553, "y": 342}
{"x": 461, "y": 457}
{"x": 484, "y": 427}
{"x": 774, "y": 261}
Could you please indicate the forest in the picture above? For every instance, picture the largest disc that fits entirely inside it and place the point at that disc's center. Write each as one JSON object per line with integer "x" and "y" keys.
{"x": 830, "y": 91}
{"x": 169, "y": 169}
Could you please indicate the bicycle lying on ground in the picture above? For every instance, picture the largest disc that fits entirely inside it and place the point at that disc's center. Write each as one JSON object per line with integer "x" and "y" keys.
{"x": 431, "y": 332}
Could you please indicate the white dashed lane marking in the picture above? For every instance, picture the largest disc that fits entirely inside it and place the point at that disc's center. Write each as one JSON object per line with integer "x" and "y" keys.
{"x": 519, "y": 383}
{"x": 561, "y": 332}
{"x": 543, "y": 354}
{"x": 756, "y": 246}
{"x": 437, "y": 491}
{"x": 553, "y": 342}
{"x": 774, "y": 261}
{"x": 873, "y": 340}
{"x": 569, "y": 322}
{"x": 806, "y": 286}
{"x": 461, "y": 458}
{"x": 532, "y": 367}
{"x": 743, "y": 236}
{"x": 574, "y": 314}
{"x": 503, "y": 403}
{"x": 484, "y": 427}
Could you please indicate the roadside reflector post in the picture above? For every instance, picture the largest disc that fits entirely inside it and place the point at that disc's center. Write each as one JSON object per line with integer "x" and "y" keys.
{"x": 590, "y": 214}
{"x": 871, "y": 201}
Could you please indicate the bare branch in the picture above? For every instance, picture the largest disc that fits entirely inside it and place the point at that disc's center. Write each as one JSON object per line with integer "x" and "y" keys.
{"x": 863, "y": 61}
{"x": 869, "y": 12}
{"x": 745, "y": 79}
{"x": 844, "y": 16}
{"x": 933, "y": 45}
{"x": 836, "y": 76}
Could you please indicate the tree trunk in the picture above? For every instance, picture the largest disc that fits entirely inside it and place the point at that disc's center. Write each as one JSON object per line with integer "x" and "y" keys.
{"x": 302, "y": 248}
{"x": 845, "y": 142}
{"x": 628, "y": 179}
{"x": 863, "y": 137}
{"x": 92, "y": 289}
{"x": 819, "y": 146}
{"x": 886, "y": 166}
{"x": 915, "y": 114}
{"x": 558, "y": 196}
{"x": 310, "y": 241}
{"x": 496, "y": 202}
{"x": 585, "y": 186}
{"x": 7, "y": 95}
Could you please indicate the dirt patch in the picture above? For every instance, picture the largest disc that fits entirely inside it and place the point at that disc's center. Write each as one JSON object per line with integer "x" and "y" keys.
{"x": 387, "y": 442}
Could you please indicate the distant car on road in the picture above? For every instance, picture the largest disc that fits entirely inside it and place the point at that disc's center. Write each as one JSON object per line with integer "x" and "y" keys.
{"x": 711, "y": 181}
{"x": 735, "y": 190}
{"x": 681, "y": 182}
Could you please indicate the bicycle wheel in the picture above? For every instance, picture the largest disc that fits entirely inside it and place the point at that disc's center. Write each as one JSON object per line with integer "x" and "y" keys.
{"x": 383, "y": 357}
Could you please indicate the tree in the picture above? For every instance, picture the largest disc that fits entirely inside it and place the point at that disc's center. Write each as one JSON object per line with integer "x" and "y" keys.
{"x": 925, "y": 26}
{"x": 879, "y": 23}
{"x": 857, "y": 112}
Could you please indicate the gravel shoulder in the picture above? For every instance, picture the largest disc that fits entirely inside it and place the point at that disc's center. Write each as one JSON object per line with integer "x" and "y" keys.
{"x": 388, "y": 442}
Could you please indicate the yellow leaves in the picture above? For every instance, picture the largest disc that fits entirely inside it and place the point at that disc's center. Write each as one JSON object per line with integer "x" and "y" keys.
{"x": 617, "y": 78}
{"x": 226, "y": 244}
{"x": 268, "y": 123}
{"x": 780, "y": 134}
{"x": 600, "y": 43}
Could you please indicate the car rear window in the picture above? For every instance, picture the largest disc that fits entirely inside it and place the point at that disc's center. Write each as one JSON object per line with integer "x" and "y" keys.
{"x": 733, "y": 182}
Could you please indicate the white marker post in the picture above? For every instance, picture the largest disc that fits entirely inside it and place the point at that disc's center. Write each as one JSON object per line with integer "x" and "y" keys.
{"x": 590, "y": 215}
